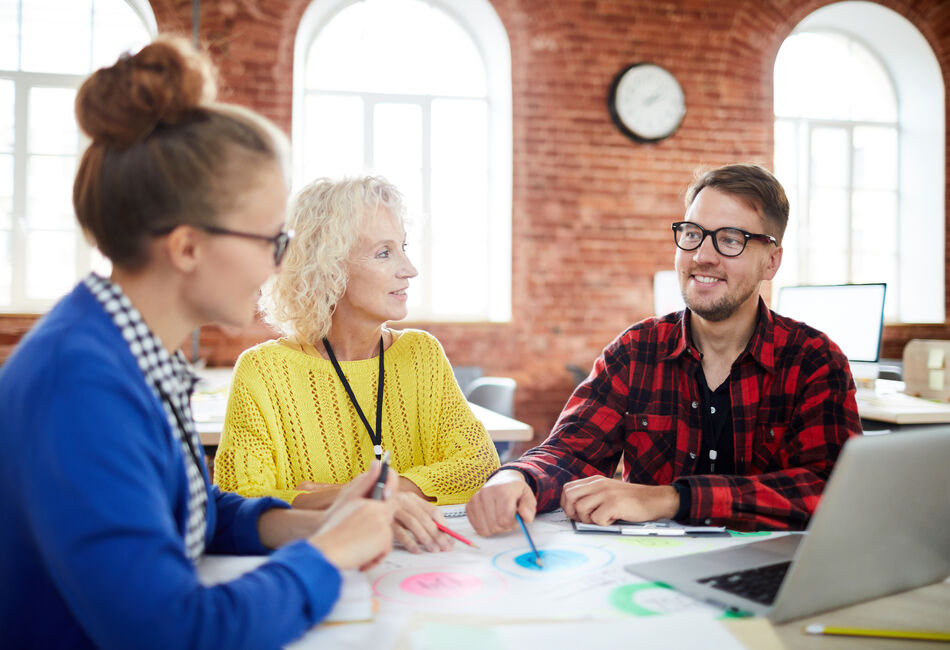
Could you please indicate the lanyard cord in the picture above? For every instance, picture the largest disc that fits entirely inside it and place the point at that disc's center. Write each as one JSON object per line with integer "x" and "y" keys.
{"x": 185, "y": 433}
{"x": 375, "y": 436}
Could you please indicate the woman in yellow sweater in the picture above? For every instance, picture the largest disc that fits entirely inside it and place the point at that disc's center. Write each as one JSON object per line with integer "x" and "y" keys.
{"x": 302, "y": 415}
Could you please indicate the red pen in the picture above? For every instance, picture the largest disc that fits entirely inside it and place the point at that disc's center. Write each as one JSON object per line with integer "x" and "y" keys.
{"x": 449, "y": 531}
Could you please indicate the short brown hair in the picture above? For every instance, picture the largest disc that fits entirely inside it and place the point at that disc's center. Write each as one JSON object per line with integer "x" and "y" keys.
{"x": 163, "y": 153}
{"x": 753, "y": 183}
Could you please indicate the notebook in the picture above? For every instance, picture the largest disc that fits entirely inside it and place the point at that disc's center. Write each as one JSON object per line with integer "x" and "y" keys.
{"x": 883, "y": 526}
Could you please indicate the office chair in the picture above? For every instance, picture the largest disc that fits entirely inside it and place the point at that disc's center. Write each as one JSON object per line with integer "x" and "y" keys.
{"x": 465, "y": 375}
{"x": 497, "y": 394}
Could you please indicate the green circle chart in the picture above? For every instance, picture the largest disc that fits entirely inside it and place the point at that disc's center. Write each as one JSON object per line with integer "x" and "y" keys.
{"x": 647, "y": 599}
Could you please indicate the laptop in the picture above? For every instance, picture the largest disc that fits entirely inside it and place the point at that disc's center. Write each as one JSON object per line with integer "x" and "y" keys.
{"x": 883, "y": 526}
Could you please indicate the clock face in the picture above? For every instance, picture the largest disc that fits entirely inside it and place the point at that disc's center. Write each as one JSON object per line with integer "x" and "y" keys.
{"x": 646, "y": 102}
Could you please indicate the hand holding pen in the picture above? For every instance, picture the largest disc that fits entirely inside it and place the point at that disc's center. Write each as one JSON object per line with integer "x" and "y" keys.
{"x": 357, "y": 530}
{"x": 379, "y": 487}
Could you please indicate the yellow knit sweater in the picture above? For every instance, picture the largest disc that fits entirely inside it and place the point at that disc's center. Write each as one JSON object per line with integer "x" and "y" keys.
{"x": 289, "y": 420}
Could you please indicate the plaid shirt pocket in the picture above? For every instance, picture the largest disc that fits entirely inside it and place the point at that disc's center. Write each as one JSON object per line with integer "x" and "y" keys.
{"x": 649, "y": 446}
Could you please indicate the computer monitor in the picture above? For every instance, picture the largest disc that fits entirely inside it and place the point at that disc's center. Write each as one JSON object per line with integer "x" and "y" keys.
{"x": 852, "y": 315}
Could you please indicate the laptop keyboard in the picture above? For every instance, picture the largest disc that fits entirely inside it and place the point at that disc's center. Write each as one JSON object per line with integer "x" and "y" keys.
{"x": 759, "y": 584}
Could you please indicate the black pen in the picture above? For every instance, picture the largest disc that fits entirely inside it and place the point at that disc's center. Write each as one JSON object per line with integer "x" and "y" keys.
{"x": 381, "y": 480}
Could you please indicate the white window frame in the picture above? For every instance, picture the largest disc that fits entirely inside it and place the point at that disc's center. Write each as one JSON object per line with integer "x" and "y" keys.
{"x": 23, "y": 82}
{"x": 919, "y": 87}
{"x": 479, "y": 19}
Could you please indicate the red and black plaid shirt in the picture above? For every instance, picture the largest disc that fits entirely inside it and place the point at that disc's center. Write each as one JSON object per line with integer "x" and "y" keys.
{"x": 793, "y": 407}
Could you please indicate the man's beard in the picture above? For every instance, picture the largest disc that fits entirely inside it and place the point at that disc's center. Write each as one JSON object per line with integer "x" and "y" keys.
{"x": 720, "y": 310}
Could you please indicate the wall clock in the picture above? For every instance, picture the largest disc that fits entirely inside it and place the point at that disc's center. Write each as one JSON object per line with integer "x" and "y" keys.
{"x": 646, "y": 102}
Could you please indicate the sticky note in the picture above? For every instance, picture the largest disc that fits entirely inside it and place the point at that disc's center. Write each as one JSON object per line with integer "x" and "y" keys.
{"x": 935, "y": 358}
{"x": 935, "y": 379}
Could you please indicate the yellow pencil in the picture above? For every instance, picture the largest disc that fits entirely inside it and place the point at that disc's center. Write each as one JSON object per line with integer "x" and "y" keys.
{"x": 913, "y": 635}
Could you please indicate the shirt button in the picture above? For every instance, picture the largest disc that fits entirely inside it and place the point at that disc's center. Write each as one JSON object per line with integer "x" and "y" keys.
{"x": 695, "y": 405}
{"x": 643, "y": 421}
{"x": 771, "y": 433}
{"x": 708, "y": 521}
{"x": 692, "y": 455}
{"x": 712, "y": 409}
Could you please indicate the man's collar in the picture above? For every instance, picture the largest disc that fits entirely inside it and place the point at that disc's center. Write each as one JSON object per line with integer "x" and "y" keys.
{"x": 761, "y": 345}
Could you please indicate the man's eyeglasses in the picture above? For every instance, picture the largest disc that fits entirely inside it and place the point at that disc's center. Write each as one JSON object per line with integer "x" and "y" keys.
{"x": 280, "y": 241}
{"x": 729, "y": 242}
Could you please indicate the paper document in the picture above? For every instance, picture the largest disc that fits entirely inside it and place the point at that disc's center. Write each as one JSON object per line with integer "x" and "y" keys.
{"x": 356, "y": 598}
{"x": 657, "y": 528}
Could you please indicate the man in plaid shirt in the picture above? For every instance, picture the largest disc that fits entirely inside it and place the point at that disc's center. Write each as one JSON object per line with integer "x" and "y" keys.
{"x": 723, "y": 414}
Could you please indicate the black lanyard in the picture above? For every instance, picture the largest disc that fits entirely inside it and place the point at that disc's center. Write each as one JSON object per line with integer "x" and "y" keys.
{"x": 185, "y": 433}
{"x": 375, "y": 436}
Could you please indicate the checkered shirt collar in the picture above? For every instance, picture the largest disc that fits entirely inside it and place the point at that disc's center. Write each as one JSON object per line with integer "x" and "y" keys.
{"x": 169, "y": 373}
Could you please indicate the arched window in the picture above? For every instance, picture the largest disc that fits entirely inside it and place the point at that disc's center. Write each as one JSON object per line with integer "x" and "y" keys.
{"x": 859, "y": 147}
{"x": 47, "y": 48}
{"x": 419, "y": 92}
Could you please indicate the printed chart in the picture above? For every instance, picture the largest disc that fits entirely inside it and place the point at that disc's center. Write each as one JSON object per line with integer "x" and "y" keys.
{"x": 558, "y": 562}
{"x": 440, "y": 587}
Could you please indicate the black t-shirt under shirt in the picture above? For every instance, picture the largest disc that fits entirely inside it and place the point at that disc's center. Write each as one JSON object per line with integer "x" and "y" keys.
{"x": 717, "y": 438}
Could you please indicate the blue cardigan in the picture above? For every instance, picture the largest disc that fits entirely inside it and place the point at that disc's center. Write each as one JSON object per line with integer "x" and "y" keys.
{"x": 93, "y": 506}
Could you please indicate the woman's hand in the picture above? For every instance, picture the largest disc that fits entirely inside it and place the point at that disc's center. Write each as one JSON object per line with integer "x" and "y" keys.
{"x": 318, "y": 496}
{"x": 358, "y": 532}
{"x": 414, "y": 525}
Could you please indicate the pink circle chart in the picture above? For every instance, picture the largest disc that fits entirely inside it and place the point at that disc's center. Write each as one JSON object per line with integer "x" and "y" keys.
{"x": 559, "y": 562}
{"x": 439, "y": 587}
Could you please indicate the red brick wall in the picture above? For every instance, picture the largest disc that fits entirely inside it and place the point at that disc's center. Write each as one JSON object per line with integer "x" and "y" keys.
{"x": 591, "y": 208}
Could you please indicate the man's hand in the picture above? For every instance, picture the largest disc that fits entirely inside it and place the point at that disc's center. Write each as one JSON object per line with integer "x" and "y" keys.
{"x": 357, "y": 532}
{"x": 492, "y": 509}
{"x": 601, "y": 500}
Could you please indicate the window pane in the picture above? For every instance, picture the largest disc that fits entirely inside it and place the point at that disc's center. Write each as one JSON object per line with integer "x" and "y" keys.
{"x": 99, "y": 263}
{"x": 827, "y": 244}
{"x": 6, "y": 269}
{"x": 460, "y": 205}
{"x": 333, "y": 136}
{"x": 6, "y": 191}
{"x": 874, "y": 222}
{"x": 52, "y": 121}
{"x": 115, "y": 29}
{"x": 829, "y": 157}
{"x": 387, "y": 47}
{"x": 8, "y": 35}
{"x": 7, "y": 107}
{"x": 875, "y": 157}
{"x": 786, "y": 153}
{"x": 811, "y": 77}
{"x": 56, "y": 36}
{"x": 872, "y": 93}
{"x": 397, "y": 147}
{"x": 50, "y": 264}
{"x": 49, "y": 184}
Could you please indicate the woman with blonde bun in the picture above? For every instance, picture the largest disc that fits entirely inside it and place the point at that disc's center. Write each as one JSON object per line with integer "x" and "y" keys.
{"x": 107, "y": 506}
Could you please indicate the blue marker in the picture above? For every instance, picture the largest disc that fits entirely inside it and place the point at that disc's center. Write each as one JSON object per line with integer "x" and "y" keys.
{"x": 537, "y": 556}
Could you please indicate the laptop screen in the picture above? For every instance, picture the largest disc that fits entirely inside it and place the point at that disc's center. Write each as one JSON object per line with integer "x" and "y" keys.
{"x": 852, "y": 315}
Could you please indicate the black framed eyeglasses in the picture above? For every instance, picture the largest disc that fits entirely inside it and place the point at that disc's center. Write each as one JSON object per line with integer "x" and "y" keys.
{"x": 280, "y": 241}
{"x": 729, "y": 242}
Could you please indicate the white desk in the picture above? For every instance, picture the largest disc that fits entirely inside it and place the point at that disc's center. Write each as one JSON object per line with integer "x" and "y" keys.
{"x": 211, "y": 399}
{"x": 887, "y": 402}
{"x": 474, "y": 593}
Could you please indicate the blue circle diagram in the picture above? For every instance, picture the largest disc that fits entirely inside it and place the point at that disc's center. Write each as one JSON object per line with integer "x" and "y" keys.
{"x": 561, "y": 561}
{"x": 553, "y": 560}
